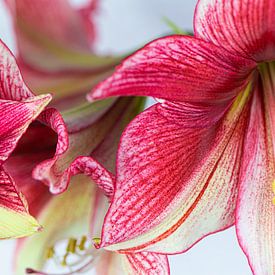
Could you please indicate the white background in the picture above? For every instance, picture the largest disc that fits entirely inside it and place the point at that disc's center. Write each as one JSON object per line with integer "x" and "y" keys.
{"x": 126, "y": 25}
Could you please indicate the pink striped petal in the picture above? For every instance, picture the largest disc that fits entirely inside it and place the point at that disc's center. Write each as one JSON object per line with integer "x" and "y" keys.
{"x": 255, "y": 218}
{"x": 171, "y": 67}
{"x": 16, "y": 117}
{"x": 100, "y": 138}
{"x": 19, "y": 107}
{"x": 110, "y": 263}
{"x": 245, "y": 28}
{"x": 12, "y": 85}
{"x": 145, "y": 263}
{"x": 176, "y": 181}
{"x": 15, "y": 220}
{"x": 35, "y": 146}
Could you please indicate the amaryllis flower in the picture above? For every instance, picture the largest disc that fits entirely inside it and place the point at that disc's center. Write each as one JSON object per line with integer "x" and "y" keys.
{"x": 72, "y": 224}
{"x": 203, "y": 158}
{"x": 19, "y": 107}
{"x": 94, "y": 130}
{"x": 54, "y": 42}
{"x": 58, "y": 57}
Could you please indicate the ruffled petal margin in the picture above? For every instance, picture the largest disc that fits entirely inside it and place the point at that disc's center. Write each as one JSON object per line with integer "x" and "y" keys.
{"x": 100, "y": 139}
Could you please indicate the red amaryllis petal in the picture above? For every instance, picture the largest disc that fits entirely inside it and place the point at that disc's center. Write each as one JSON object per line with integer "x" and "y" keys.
{"x": 23, "y": 105}
{"x": 15, "y": 119}
{"x": 171, "y": 67}
{"x": 245, "y": 28}
{"x": 55, "y": 33}
{"x": 21, "y": 166}
{"x": 255, "y": 219}
{"x": 15, "y": 220}
{"x": 144, "y": 263}
{"x": 56, "y": 20}
{"x": 36, "y": 145}
{"x": 56, "y": 172}
{"x": 91, "y": 168}
{"x": 12, "y": 85}
{"x": 169, "y": 185}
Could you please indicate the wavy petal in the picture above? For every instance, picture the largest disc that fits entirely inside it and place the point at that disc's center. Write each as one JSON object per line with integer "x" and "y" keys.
{"x": 255, "y": 217}
{"x": 56, "y": 172}
{"x": 244, "y": 27}
{"x": 35, "y": 146}
{"x": 15, "y": 220}
{"x": 191, "y": 165}
{"x": 16, "y": 117}
{"x": 171, "y": 67}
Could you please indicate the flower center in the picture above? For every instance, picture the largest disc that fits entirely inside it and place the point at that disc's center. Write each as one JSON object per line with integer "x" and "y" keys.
{"x": 74, "y": 255}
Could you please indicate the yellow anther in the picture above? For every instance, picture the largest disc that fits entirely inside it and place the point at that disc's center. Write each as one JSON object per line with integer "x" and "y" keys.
{"x": 50, "y": 253}
{"x": 64, "y": 261}
{"x": 82, "y": 243}
{"x": 97, "y": 241}
{"x": 71, "y": 247}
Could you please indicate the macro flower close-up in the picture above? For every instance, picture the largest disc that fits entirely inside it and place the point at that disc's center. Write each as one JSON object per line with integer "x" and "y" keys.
{"x": 202, "y": 159}
{"x": 133, "y": 143}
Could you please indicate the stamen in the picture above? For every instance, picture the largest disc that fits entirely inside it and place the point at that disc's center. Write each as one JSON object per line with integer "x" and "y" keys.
{"x": 96, "y": 242}
{"x": 71, "y": 247}
{"x": 50, "y": 253}
{"x": 82, "y": 243}
{"x": 77, "y": 247}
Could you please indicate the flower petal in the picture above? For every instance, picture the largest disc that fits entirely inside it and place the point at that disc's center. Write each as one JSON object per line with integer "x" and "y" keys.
{"x": 76, "y": 209}
{"x": 15, "y": 220}
{"x": 56, "y": 33}
{"x": 16, "y": 117}
{"x": 57, "y": 171}
{"x": 196, "y": 167}
{"x": 12, "y": 85}
{"x": 34, "y": 18}
{"x": 255, "y": 217}
{"x": 144, "y": 263}
{"x": 171, "y": 67}
{"x": 35, "y": 146}
{"x": 244, "y": 27}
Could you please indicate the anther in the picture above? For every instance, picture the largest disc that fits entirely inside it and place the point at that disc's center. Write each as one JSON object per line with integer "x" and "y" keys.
{"x": 82, "y": 243}
{"x": 71, "y": 247}
{"x": 50, "y": 253}
{"x": 96, "y": 242}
